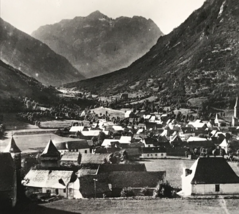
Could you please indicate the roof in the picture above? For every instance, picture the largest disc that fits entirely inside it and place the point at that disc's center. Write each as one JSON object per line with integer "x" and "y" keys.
{"x": 86, "y": 171}
{"x": 108, "y": 142}
{"x": 121, "y": 168}
{"x": 135, "y": 179}
{"x": 125, "y": 139}
{"x": 213, "y": 171}
{"x": 224, "y": 143}
{"x": 94, "y": 158}
{"x": 48, "y": 178}
{"x": 12, "y": 147}
{"x": 71, "y": 157}
{"x": 7, "y": 172}
{"x": 50, "y": 150}
{"x": 75, "y": 145}
{"x": 76, "y": 128}
{"x": 150, "y": 140}
{"x": 197, "y": 139}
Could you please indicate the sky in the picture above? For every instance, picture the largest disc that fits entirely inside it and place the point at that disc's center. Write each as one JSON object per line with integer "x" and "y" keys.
{"x": 29, "y": 15}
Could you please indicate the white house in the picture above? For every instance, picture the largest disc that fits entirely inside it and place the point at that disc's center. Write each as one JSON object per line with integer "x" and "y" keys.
{"x": 153, "y": 153}
{"x": 209, "y": 176}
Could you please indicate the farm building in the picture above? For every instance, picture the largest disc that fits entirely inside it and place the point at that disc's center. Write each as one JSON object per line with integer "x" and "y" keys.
{"x": 209, "y": 176}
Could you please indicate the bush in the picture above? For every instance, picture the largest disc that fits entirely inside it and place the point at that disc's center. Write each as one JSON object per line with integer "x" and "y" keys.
{"x": 127, "y": 192}
{"x": 145, "y": 191}
{"x": 163, "y": 190}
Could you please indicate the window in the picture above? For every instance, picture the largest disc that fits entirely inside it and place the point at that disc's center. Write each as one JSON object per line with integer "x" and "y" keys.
{"x": 64, "y": 190}
{"x": 148, "y": 155}
{"x": 85, "y": 151}
{"x": 56, "y": 191}
{"x": 156, "y": 155}
{"x": 161, "y": 154}
{"x": 217, "y": 187}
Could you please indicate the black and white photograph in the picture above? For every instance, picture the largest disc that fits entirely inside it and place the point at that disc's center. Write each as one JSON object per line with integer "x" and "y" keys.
{"x": 119, "y": 106}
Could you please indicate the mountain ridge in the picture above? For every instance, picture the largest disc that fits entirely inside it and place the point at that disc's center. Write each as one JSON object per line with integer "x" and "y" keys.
{"x": 97, "y": 44}
{"x": 34, "y": 58}
{"x": 197, "y": 59}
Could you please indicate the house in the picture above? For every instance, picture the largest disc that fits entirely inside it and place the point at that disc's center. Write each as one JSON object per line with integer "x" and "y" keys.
{"x": 153, "y": 153}
{"x": 186, "y": 132}
{"x": 125, "y": 140}
{"x": 79, "y": 145}
{"x": 109, "y": 143}
{"x": 55, "y": 182}
{"x": 209, "y": 176}
{"x": 135, "y": 180}
{"x": 175, "y": 140}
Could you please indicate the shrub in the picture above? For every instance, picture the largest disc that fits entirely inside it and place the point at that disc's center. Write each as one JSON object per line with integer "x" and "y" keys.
{"x": 163, "y": 190}
{"x": 145, "y": 191}
{"x": 127, "y": 192}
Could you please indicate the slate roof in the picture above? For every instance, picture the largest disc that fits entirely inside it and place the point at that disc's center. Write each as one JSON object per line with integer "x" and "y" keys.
{"x": 135, "y": 179}
{"x": 213, "y": 171}
{"x": 7, "y": 171}
{"x": 50, "y": 150}
{"x": 94, "y": 158}
{"x": 121, "y": 168}
{"x": 12, "y": 147}
{"x": 71, "y": 157}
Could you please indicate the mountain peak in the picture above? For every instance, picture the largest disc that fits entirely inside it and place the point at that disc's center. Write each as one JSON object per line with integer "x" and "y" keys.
{"x": 96, "y": 15}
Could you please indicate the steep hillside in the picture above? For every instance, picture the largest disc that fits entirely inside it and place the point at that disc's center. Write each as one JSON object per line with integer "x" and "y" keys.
{"x": 34, "y": 58}
{"x": 198, "y": 59}
{"x": 14, "y": 84}
{"x": 97, "y": 44}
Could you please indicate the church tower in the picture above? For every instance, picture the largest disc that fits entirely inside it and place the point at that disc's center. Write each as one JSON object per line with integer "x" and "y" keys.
{"x": 50, "y": 157}
{"x": 15, "y": 152}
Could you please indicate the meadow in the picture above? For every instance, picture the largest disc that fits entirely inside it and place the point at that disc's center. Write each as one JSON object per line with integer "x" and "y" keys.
{"x": 131, "y": 206}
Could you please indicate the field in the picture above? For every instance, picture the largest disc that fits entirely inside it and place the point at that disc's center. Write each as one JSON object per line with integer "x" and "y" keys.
{"x": 111, "y": 112}
{"x": 107, "y": 206}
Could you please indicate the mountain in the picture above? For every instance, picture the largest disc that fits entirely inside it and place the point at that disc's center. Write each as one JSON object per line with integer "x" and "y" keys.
{"x": 34, "y": 58}
{"x": 97, "y": 44}
{"x": 197, "y": 60}
{"x": 15, "y": 84}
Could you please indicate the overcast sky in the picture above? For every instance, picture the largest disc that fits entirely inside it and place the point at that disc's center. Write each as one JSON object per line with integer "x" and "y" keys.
{"x": 28, "y": 15}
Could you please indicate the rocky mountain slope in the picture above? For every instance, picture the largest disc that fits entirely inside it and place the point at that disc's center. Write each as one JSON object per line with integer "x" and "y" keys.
{"x": 15, "y": 84}
{"x": 97, "y": 44}
{"x": 34, "y": 58}
{"x": 198, "y": 59}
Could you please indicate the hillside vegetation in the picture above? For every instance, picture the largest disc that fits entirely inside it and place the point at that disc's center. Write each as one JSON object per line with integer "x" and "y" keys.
{"x": 34, "y": 58}
{"x": 199, "y": 59}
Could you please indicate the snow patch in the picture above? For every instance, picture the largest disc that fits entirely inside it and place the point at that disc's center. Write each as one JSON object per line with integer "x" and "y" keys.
{"x": 221, "y": 9}
{"x": 102, "y": 19}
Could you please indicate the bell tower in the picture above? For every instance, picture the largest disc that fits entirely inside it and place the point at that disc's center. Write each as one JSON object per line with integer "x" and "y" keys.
{"x": 15, "y": 152}
{"x": 50, "y": 157}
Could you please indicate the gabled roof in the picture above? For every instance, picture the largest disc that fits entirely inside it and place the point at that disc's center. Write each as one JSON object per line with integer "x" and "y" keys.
{"x": 48, "y": 178}
{"x": 224, "y": 143}
{"x": 213, "y": 171}
{"x": 75, "y": 145}
{"x": 50, "y": 150}
{"x": 94, "y": 158}
{"x": 135, "y": 179}
{"x": 12, "y": 147}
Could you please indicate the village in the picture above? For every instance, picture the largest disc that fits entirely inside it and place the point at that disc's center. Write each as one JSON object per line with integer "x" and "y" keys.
{"x": 107, "y": 156}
